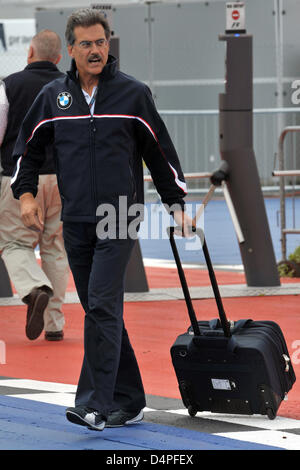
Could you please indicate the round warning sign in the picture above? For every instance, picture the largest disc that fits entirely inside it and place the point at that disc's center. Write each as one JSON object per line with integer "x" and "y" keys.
{"x": 235, "y": 15}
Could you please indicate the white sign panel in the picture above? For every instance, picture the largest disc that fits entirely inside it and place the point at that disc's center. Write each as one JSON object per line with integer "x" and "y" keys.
{"x": 15, "y": 37}
{"x": 235, "y": 16}
{"x": 221, "y": 384}
{"x": 106, "y": 10}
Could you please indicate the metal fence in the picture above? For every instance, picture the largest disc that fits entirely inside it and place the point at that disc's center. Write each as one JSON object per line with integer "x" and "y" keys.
{"x": 195, "y": 134}
{"x": 283, "y": 173}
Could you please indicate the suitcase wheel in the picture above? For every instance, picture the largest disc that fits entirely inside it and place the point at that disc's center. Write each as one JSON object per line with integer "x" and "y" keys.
{"x": 192, "y": 411}
{"x": 270, "y": 413}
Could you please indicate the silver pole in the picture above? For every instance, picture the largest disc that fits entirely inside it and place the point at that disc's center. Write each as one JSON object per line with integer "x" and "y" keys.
{"x": 232, "y": 213}
{"x": 149, "y": 20}
{"x": 286, "y": 172}
{"x": 278, "y": 8}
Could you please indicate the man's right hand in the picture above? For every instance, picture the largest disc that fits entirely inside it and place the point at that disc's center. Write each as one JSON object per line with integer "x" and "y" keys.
{"x": 31, "y": 212}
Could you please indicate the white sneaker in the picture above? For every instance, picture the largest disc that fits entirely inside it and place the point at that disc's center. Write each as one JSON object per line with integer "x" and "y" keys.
{"x": 85, "y": 416}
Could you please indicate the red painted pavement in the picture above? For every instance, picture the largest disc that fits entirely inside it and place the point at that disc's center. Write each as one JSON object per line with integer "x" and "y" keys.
{"x": 152, "y": 327}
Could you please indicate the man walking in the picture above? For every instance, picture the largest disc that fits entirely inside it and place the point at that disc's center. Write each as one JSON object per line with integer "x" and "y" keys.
{"x": 104, "y": 124}
{"x": 43, "y": 287}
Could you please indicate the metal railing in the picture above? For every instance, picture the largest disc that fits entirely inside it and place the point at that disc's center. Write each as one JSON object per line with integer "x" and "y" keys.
{"x": 195, "y": 134}
{"x": 282, "y": 173}
{"x": 227, "y": 197}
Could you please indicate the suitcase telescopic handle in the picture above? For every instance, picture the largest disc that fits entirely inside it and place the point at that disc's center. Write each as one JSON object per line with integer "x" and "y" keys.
{"x": 183, "y": 282}
{"x": 222, "y": 315}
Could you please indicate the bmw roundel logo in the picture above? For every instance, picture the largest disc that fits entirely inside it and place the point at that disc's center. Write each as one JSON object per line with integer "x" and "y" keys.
{"x": 64, "y": 100}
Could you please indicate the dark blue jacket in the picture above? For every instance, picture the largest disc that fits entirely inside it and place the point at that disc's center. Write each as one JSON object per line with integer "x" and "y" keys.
{"x": 100, "y": 157}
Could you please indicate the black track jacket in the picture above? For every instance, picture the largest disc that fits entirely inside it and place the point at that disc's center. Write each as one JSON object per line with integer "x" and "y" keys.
{"x": 98, "y": 158}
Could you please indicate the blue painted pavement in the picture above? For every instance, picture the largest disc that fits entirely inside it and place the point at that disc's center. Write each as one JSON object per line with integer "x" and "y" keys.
{"x": 220, "y": 235}
{"x": 32, "y": 425}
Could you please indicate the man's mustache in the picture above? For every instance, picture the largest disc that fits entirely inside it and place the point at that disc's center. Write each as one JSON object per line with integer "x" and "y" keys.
{"x": 94, "y": 57}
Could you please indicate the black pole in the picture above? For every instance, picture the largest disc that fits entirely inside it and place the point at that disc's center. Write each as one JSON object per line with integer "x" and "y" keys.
{"x": 236, "y": 147}
{"x": 5, "y": 286}
{"x": 135, "y": 277}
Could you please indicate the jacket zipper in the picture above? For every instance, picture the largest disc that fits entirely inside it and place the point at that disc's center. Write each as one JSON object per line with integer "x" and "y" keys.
{"x": 92, "y": 163}
{"x": 282, "y": 380}
{"x": 281, "y": 352}
{"x": 92, "y": 156}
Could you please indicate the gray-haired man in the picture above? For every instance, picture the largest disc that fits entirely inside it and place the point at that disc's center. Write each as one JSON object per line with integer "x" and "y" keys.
{"x": 104, "y": 124}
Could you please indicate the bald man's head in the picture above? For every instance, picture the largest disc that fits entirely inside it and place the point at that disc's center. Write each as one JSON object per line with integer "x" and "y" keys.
{"x": 45, "y": 45}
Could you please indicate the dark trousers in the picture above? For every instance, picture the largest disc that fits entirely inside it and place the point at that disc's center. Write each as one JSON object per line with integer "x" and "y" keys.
{"x": 110, "y": 377}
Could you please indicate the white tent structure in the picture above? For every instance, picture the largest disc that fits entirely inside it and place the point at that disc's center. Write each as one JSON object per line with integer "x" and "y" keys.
{"x": 26, "y": 8}
{"x": 173, "y": 46}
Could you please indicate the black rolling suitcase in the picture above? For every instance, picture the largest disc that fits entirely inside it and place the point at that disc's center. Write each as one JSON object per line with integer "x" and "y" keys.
{"x": 240, "y": 367}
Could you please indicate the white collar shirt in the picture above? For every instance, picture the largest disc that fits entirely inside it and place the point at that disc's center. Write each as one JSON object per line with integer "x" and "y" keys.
{"x": 90, "y": 99}
{"x": 4, "y": 106}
